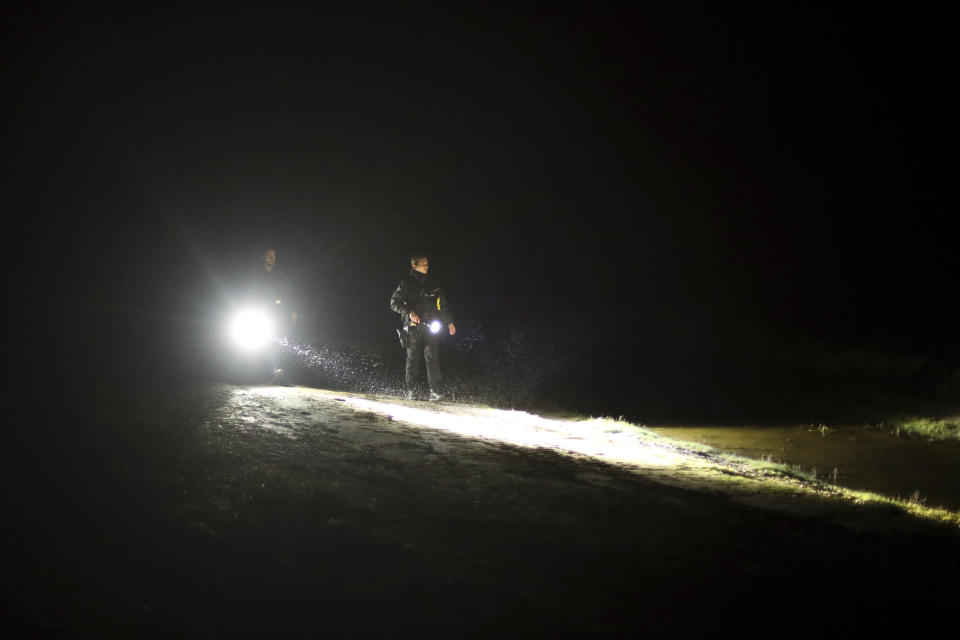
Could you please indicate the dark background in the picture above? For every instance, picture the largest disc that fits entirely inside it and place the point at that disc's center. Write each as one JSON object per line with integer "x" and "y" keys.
{"x": 683, "y": 214}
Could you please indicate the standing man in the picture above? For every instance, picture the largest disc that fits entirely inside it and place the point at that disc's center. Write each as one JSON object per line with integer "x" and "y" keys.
{"x": 270, "y": 289}
{"x": 423, "y": 315}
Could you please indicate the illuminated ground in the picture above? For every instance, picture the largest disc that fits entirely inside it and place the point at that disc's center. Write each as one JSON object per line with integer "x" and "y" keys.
{"x": 618, "y": 444}
{"x": 224, "y": 510}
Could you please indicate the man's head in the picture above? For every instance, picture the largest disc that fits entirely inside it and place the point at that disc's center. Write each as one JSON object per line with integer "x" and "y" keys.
{"x": 420, "y": 263}
{"x": 269, "y": 258}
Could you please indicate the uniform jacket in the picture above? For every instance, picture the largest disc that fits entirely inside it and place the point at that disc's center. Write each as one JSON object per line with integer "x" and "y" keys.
{"x": 421, "y": 293}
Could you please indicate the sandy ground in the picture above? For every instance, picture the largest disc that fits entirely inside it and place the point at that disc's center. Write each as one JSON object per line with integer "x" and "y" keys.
{"x": 212, "y": 509}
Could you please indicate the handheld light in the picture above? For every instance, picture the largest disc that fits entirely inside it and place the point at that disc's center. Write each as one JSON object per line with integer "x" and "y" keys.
{"x": 435, "y": 326}
{"x": 251, "y": 329}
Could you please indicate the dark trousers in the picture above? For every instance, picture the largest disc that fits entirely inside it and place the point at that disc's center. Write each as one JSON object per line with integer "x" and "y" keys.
{"x": 427, "y": 346}
{"x": 274, "y": 354}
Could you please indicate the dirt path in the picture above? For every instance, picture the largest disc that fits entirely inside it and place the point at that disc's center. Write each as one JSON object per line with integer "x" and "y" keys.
{"x": 244, "y": 511}
{"x": 415, "y": 435}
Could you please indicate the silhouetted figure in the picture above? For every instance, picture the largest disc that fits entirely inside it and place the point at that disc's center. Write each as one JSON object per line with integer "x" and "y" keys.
{"x": 270, "y": 290}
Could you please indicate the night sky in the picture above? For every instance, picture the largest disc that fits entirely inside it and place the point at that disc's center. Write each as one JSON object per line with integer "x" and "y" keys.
{"x": 672, "y": 203}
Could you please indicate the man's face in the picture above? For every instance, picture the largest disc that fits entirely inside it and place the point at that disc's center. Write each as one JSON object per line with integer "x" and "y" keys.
{"x": 269, "y": 259}
{"x": 422, "y": 265}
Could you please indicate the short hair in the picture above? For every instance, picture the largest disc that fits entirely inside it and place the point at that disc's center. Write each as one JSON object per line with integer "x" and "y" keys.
{"x": 417, "y": 257}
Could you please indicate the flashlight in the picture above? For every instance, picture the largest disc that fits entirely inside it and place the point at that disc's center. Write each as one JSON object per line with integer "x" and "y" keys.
{"x": 435, "y": 326}
{"x": 251, "y": 329}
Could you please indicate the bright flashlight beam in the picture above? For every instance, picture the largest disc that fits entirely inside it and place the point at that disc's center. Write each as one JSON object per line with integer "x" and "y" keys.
{"x": 251, "y": 329}
{"x": 435, "y": 326}
{"x": 603, "y": 439}
{"x": 597, "y": 438}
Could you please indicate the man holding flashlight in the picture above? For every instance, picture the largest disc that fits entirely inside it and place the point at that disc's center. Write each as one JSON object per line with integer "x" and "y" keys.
{"x": 270, "y": 289}
{"x": 424, "y": 314}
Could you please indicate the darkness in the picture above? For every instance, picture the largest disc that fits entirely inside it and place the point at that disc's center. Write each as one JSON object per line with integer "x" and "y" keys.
{"x": 673, "y": 214}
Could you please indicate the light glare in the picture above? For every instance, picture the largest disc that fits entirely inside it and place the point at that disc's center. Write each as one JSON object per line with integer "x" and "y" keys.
{"x": 592, "y": 438}
{"x": 251, "y": 329}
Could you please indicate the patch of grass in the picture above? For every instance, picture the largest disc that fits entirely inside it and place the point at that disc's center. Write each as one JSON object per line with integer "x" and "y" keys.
{"x": 768, "y": 475}
{"x": 772, "y": 474}
{"x": 932, "y": 428}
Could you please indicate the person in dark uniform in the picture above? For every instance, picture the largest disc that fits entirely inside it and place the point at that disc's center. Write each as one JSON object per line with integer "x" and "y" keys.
{"x": 424, "y": 315}
{"x": 270, "y": 289}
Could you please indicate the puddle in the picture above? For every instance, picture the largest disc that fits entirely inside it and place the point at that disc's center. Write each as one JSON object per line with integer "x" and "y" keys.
{"x": 864, "y": 459}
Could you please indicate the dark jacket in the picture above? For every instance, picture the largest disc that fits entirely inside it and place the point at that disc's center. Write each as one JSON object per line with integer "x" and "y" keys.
{"x": 272, "y": 290}
{"x": 421, "y": 293}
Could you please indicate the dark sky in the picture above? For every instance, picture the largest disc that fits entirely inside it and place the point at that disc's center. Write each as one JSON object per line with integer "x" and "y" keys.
{"x": 647, "y": 183}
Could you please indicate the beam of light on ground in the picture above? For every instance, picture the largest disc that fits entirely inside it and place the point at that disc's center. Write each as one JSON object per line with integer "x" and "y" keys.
{"x": 600, "y": 438}
{"x": 296, "y": 412}
{"x": 597, "y": 438}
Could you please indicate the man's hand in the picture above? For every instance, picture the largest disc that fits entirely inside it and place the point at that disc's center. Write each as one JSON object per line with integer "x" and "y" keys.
{"x": 453, "y": 329}
{"x": 414, "y": 318}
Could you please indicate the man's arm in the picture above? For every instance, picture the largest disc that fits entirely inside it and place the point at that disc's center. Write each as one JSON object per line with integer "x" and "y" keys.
{"x": 400, "y": 303}
{"x": 287, "y": 293}
{"x": 444, "y": 308}
{"x": 277, "y": 290}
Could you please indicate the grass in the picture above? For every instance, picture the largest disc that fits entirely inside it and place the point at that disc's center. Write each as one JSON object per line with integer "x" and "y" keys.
{"x": 931, "y": 428}
{"x": 773, "y": 474}
{"x": 776, "y": 478}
